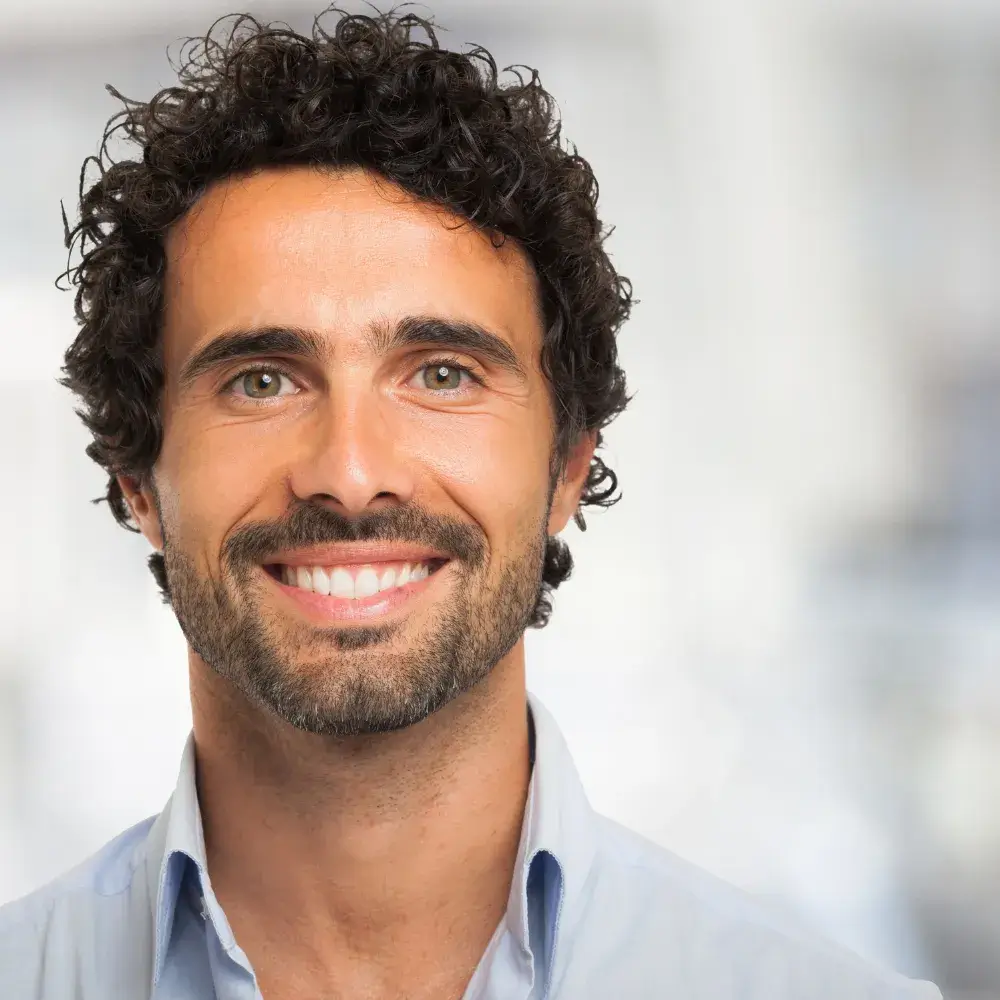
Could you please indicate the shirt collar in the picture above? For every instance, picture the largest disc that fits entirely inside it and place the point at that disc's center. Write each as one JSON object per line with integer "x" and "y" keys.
{"x": 558, "y": 822}
{"x": 558, "y": 825}
{"x": 177, "y": 843}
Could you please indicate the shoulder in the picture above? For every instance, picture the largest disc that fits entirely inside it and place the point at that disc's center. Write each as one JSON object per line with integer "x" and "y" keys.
{"x": 57, "y": 930}
{"x": 677, "y": 926}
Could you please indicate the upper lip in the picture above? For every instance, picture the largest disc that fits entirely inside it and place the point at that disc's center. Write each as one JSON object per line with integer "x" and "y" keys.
{"x": 355, "y": 553}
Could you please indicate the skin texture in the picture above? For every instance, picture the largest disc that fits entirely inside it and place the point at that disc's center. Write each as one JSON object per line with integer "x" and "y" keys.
{"x": 362, "y": 813}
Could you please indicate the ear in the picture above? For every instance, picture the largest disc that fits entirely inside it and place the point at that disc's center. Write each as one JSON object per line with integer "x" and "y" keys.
{"x": 142, "y": 502}
{"x": 566, "y": 498}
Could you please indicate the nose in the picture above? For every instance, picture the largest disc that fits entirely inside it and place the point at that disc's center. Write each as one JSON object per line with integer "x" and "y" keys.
{"x": 351, "y": 456}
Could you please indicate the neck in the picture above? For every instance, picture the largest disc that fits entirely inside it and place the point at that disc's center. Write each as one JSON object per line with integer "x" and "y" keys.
{"x": 396, "y": 850}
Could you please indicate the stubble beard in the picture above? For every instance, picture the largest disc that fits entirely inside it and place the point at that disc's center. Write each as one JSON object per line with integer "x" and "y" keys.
{"x": 365, "y": 679}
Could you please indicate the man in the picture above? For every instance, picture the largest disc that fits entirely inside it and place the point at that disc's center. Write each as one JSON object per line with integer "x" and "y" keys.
{"x": 347, "y": 347}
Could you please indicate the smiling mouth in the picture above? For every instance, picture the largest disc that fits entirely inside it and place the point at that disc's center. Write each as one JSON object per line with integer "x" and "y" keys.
{"x": 355, "y": 582}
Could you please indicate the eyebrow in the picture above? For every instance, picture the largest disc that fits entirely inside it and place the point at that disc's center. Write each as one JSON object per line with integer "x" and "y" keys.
{"x": 457, "y": 334}
{"x": 238, "y": 344}
{"x": 412, "y": 331}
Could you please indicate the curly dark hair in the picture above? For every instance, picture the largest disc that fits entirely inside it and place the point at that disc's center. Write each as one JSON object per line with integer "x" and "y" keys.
{"x": 362, "y": 92}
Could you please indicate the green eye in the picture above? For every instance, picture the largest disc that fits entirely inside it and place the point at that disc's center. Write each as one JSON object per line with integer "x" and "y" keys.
{"x": 262, "y": 385}
{"x": 442, "y": 377}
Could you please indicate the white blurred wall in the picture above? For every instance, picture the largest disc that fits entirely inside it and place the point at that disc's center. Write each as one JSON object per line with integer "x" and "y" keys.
{"x": 776, "y": 655}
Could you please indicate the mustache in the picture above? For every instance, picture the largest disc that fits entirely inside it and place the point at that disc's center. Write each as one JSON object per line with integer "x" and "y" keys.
{"x": 313, "y": 524}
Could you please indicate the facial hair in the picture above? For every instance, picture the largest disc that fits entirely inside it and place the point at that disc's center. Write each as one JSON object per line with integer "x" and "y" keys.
{"x": 366, "y": 679}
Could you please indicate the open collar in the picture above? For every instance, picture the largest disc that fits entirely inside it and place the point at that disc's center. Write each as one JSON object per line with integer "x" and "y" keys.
{"x": 554, "y": 858}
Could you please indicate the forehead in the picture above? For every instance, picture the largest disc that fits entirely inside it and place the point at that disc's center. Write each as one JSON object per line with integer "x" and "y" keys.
{"x": 335, "y": 252}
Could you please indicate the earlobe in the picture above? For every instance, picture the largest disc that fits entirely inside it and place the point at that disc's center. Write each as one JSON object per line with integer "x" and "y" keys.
{"x": 132, "y": 491}
{"x": 578, "y": 467}
{"x": 566, "y": 500}
{"x": 142, "y": 504}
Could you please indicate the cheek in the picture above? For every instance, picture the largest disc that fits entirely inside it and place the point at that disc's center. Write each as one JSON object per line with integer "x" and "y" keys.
{"x": 210, "y": 478}
{"x": 496, "y": 470}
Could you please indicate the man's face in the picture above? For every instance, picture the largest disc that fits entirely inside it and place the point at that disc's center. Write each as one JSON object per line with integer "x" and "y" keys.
{"x": 354, "y": 491}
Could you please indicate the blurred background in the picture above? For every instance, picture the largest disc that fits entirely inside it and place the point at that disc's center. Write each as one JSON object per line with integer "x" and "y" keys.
{"x": 779, "y": 656}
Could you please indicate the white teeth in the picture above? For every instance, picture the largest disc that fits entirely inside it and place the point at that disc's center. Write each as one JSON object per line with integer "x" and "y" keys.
{"x": 341, "y": 584}
{"x": 366, "y": 583}
{"x": 339, "y": 581}
{"x": 321, "y": 582}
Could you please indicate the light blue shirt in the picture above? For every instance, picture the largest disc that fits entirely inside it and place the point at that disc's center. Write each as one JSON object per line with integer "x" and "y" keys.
{"x": 595, "y": 912}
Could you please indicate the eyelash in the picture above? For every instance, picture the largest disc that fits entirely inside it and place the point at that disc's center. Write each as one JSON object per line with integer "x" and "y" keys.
{"x": 447, "y": 361}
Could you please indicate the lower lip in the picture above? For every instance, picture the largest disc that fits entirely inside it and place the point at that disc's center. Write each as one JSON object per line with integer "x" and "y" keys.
{"x": 342, "y": 609}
